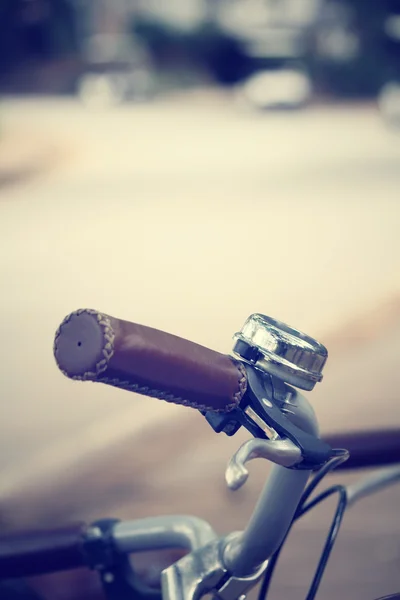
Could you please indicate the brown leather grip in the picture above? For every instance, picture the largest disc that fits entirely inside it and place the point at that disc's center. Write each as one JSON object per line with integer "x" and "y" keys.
{"x": 92, "y": 346}
{"x": 38, "y": 552}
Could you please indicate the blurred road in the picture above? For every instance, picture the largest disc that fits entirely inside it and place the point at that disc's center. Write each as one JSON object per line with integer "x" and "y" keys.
{"x": 188, "y": 215}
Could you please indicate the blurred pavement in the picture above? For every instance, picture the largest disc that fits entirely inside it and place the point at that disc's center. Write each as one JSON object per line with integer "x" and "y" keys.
{"x": 188, "y": 215}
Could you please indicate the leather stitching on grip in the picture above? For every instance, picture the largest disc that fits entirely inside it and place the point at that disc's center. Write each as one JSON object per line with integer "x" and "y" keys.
{"x": 108, "y": 351}
{"x": 242, "y": 384}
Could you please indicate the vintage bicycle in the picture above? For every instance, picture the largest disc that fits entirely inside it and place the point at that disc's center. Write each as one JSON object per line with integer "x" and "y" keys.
{"x": 256, "y": 388}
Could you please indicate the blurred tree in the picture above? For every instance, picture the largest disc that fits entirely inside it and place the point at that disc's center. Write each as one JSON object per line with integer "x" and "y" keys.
{"x": 392, "y": 39}
{"x": 204, "y": 48}
{"x": 347, "y": 54}
{"x": 222, "y": 54}
{"x": 33, "y": 33}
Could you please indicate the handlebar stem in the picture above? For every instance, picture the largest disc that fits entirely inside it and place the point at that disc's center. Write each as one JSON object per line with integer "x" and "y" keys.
{"x": 269, "y": 523}
{"x": 277, "y": 503}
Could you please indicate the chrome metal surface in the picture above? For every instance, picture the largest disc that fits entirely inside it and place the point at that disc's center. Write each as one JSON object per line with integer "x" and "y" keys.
{"x": 195, "y": 574}
{"x": 267, "y": 429}
{"x": 278, "y": 501}
{"x": 93, "y": 533}
{"x": 269, "y": 522}
{"x": 372, "y": 484}
{"x": 301, "y": 413}
{"x": 204, "y": 572}
{"x": 281, "y": 452}
{"x": 237, "y": 587}
{"x": 267, "y": 402}
{"x": 283, "y": 351}
{"x": 156, "y": 533}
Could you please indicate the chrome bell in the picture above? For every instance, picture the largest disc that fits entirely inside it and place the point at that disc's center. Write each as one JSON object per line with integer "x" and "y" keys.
{"x": 280, "y": 350}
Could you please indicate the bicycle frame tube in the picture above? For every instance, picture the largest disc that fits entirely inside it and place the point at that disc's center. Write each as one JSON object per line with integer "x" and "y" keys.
{"x": 269, "y": 523}
{"x": 372, "y": 484}
{"x": 275, "y": 508}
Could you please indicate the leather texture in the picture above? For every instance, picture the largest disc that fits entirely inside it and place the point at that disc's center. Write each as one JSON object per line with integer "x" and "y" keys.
{"x": 92, "y": 346}
{"x": 35, "y": 552}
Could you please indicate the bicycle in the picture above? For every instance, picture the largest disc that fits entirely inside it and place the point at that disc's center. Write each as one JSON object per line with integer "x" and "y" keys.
{"x": 256, "y": 388}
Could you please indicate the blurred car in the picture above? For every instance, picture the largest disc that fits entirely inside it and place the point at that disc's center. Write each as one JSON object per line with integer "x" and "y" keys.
{"x": 278, "y": 89}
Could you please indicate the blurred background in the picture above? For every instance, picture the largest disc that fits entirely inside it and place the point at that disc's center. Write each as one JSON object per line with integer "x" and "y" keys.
{"x": 183, "y": 164}
{"x": 283, "y": 52}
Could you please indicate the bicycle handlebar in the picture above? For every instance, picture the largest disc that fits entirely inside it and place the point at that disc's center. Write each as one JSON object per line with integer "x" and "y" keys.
{"x": 367, "y": 449}
{"x": 29, "y": 553}
{"x": 91, "y": 346}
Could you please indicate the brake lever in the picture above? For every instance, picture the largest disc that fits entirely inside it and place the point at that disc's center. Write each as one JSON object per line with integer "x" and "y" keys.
{"x": 262, "y": 413}
{"x": 281, "y": 452}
